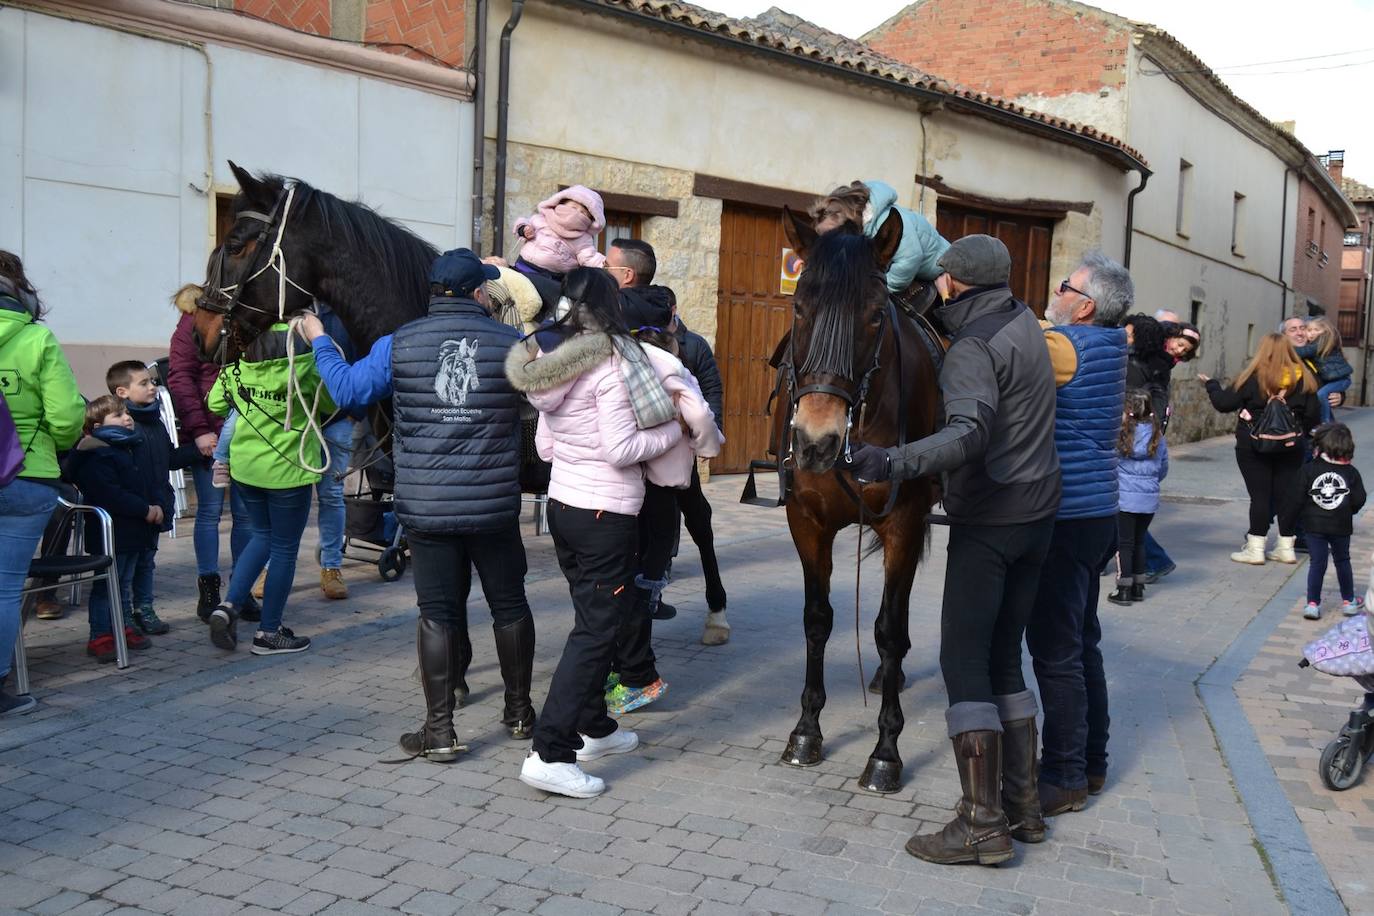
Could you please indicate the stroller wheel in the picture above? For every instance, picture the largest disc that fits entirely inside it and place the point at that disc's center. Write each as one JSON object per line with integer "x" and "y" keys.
{"x": 391, "y": 564}
{"x": 1341, "y": 763}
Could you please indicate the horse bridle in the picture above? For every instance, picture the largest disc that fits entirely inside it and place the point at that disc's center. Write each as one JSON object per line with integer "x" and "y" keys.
{"x": 858, "y": 399}
{"x": 228, "y": 300}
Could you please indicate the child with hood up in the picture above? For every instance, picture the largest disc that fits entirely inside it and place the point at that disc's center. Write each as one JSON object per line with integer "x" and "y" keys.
{"x": 561, "y": 234}
{"x": 867, "y": 204}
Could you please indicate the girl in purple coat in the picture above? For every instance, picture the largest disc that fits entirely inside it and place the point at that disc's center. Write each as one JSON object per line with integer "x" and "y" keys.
{"x": 1143, "y": 463}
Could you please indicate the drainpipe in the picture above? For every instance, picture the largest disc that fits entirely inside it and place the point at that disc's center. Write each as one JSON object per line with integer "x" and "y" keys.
{"x": 498, "y": 234}
{"x": 1283, "y": 238}
{"x": 1130, "y": 217}
{"x": 479, "y": 128}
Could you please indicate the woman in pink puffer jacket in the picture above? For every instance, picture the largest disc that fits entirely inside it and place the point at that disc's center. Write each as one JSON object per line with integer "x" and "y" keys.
{"x": 562, "y": 232}
{"x": 587, "y": 429}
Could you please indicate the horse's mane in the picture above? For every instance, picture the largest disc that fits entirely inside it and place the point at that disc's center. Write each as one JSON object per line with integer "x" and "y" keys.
{"x": 839, "y": 268}
{"x": 383, "y": 267}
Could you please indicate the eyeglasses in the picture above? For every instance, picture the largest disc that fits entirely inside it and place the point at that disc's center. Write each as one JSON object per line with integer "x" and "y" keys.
{"x": 617, "y": 267}
{"x": 648, "y": 328}
{"x": 1064, "y": 287}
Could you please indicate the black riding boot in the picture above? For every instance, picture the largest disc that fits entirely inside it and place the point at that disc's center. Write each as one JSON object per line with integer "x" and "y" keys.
{"x": 1020, "y": 778}
{"x": 515, "y": 650}
{"x": 209, "y": 596}
{"x": 442, "y": 663}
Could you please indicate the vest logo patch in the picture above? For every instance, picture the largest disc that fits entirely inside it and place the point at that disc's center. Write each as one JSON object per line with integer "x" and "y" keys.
{"x": 457, "y": 373}
{"x": 9, "y": 382}
{"x": 1329, "y": 490}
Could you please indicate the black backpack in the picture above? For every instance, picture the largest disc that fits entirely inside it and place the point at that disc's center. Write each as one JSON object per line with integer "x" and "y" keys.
{"x": 1276, "y": 429}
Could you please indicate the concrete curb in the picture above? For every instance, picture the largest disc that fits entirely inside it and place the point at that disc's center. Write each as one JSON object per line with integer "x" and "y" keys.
{"x": 1303, "y": 881}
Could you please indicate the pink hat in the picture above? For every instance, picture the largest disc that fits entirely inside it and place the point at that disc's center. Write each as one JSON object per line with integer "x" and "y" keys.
{"x": 584, "y": 196}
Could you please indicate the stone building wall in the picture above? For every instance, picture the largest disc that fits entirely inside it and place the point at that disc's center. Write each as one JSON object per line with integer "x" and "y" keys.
{"x": 688, "y": 245}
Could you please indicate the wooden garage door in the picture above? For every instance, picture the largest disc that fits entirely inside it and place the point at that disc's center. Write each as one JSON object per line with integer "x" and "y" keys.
{"x": 752, "y": 315}
{"x": 1026, "y": 237}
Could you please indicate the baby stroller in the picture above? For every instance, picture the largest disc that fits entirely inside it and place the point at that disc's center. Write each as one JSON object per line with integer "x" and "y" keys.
{"x": 370, "y": 522}
{"x": 1344, "y": 651}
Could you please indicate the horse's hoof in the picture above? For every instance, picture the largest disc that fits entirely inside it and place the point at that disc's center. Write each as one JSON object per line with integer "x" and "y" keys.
{"x": 802, "y": 751}
{"x": 881, "y": 776}
{"x": 876, "y": 684}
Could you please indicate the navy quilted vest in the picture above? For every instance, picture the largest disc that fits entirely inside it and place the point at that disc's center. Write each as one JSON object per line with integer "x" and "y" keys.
{"x": 457, "y": 446}
{"x": 1087, "y": 421}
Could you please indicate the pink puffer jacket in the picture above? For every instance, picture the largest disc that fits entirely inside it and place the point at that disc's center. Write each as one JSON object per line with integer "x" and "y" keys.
{"x": 674, "y": 467}
{"x": 586, "y": 424}
{"x": 564, "y": 236}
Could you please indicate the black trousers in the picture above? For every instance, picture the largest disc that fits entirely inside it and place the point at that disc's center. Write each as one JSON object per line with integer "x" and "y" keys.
{"x": 990, "y": 582}
{"x": 634, "y": 651}
{"x": 1131, "y": 528}
{"x": 1272, "y": 480}
{"x": 598, "y": 554}
{"x": 1063, "y": 638}
{"x": 442, "y": 567}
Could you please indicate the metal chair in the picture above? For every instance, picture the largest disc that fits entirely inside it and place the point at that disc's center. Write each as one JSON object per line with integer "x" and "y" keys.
{"x": 81, "y": 569}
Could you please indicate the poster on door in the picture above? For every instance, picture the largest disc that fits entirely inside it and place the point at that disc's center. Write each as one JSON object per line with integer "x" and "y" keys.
{"x": 791, "y": 269}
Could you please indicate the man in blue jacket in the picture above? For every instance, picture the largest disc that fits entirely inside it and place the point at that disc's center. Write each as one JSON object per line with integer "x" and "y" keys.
{"x": 456, "y": 449}
{"x": 1088, "y": 353}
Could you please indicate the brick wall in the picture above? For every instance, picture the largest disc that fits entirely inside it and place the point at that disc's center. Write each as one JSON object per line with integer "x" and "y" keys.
{"x": 436, "y": 27}
{"x": 1009, "y": 48}
{"x": 422, "y": 29}
{"x": 1316, "y": 277}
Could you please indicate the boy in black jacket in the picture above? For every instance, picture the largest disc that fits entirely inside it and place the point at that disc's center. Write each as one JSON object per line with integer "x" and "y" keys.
{"x": 1332, "y": 493}
{"x": 155, "y": 457}
{"x": 103, "y": 466}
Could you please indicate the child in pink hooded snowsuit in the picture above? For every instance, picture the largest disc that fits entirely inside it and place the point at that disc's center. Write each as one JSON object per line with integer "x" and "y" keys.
{"x": 562, "y": 233}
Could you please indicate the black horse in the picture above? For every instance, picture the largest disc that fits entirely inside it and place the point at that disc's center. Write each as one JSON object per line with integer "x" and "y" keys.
{"x": 371, "y": 271}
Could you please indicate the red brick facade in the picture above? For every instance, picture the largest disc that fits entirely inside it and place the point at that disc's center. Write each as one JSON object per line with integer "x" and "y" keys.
{"x": 1009, "y": 48}
{"x": 1317, "y": 252}
{"x": 311, "y": 16}
{"x": 423, "y": 29}
{"x": 435, "y": 27}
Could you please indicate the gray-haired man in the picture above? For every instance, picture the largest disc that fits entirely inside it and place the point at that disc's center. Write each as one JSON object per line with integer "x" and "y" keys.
{"x": 1088, "y": 352}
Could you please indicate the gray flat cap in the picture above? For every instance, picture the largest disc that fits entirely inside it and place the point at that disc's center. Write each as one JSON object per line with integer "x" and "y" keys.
{"x": 978, "y": 260}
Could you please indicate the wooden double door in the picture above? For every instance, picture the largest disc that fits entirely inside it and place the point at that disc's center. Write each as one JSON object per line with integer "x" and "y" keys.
{"x": 1026, "y": 237}
{"x": 753, "y": 313}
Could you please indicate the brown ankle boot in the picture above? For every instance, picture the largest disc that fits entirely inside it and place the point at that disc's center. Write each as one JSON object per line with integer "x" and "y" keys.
{"x": 979, "y": 830}
{"x": 1020, "y": 771}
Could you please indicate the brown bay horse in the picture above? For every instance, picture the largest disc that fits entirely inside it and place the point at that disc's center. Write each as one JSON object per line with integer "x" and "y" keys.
{"x": 856, "y": 367}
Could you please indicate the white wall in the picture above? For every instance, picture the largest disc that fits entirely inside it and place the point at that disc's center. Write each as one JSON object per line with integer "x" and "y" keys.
{"x": 1167, "y": 125}
{"x": 103, "y": 188}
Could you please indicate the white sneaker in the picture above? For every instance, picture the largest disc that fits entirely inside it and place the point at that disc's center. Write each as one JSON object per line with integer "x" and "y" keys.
{"x": 620, "y": 741}
{"x": 559, "y": 778}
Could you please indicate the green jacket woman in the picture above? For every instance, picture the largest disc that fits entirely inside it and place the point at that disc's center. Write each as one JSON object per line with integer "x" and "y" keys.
{"x": 41, "y": 395}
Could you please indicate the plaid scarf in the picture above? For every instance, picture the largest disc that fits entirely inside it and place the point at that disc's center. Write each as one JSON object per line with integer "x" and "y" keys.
{"x": 648, "y": 398}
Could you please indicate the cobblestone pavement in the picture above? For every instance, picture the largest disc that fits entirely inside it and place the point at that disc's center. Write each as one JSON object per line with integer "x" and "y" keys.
{"x": 201, "y": 782}
{"x": 1295, "y": 712}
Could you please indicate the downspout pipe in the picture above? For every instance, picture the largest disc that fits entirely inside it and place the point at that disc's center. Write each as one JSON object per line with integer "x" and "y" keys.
{"x": 1130, "y": 217}
{"x": 1283, "y": 252}
{"x": 498, "y": 234}
{"x": 479, "y": 128}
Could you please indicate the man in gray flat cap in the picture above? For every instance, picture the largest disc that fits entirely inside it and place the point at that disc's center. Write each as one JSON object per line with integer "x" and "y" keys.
{"x": 1001, "y": 494}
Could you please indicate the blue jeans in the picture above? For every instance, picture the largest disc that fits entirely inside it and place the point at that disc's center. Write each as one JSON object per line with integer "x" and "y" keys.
{"x": 226, "y": 438}
{"x": 278, "y": 519}
{"x": 209, "y": 508}
{"x": 24, "y": 510}
{"x": 135, "y": 569}
{"x": 1156, "y": 557}
{"x": 1318, "y": 547}
{"x": 1340, "y": 384}
{"x": 339, "y": 437}
{"x": 1063, "y": 637}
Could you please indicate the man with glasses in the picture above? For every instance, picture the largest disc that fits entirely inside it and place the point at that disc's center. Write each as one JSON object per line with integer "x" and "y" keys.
{"x": 1088, "y": 351}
